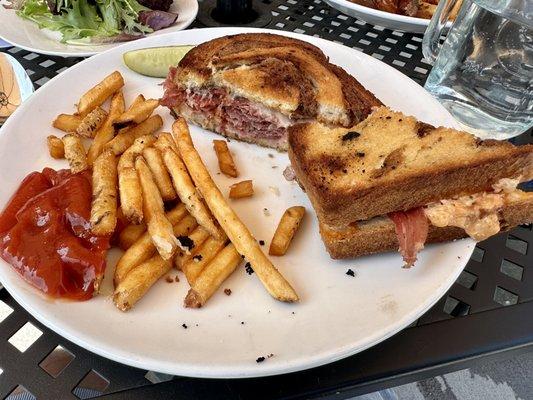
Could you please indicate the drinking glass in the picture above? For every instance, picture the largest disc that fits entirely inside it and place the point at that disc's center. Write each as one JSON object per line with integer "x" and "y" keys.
{"x": 483, "y": 72}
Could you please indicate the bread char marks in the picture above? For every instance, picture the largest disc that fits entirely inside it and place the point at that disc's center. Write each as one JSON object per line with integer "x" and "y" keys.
{"x": 197, "y": 60}
{"x": 328, "y": 89}
{"x": 358, "y": 100}
{"x": 389, "y": 156}
{"x": 368, "y": 154}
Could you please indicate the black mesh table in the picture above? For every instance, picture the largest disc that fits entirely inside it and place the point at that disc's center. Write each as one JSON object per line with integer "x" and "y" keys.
{"x": 485, "y": 315}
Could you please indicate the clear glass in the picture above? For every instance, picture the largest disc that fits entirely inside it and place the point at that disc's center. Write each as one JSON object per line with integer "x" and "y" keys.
{"x": 483, "y": 72}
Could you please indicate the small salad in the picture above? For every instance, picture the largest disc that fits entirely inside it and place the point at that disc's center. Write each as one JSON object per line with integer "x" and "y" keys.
{"x": 97, "y": 21}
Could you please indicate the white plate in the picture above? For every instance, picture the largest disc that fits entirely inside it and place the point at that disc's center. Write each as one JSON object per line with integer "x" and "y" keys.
{"x": 382, "y": 18}
{"x": 27, "y": 35}
{"x": 338, "y": 315}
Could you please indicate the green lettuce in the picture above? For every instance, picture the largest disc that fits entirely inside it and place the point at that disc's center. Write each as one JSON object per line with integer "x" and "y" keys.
{"x": 82, "y": 20}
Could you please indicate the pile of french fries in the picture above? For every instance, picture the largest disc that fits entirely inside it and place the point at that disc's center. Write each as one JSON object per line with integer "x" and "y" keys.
{"x": 171, "y": 212}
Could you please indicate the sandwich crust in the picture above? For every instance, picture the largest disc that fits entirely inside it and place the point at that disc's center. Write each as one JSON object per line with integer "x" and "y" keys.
{"x": 391, "y": 162}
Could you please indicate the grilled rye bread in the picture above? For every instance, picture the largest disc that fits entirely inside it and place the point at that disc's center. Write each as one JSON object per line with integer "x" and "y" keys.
{"x": 378, "y": 235}
{"x": 392, "y": 162}
{"x": 253, "y": 86}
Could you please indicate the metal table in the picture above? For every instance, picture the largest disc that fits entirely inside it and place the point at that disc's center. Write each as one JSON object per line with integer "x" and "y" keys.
{"x": 485, "y": 315}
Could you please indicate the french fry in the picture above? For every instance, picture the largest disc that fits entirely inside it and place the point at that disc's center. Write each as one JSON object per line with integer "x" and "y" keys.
{"x": 165, "y": 140}
{"x": 56, "y": 148}
{"x": 212, "y": 276}
{"x": 97, "y": 95}
{"x": 201, "y": 257}
{"x": 184, "y": 254}
{"x": 289, "y": 223}
{"x": 67, "y": 123}
{"x": 159, "y": 227}
{"x": 107, "y": 131}
{"x": 104, "y": 203}
{"x": 137, "y": 113}
{"x": 128, "y": 181}
{"x": 187, "y": 192}
{"x": 139, "y": 280}
{"x": 241, "y": 189}
{"x": 75, "y": 153}
{"x": 92, "y": 122}
{"x": 129, "y": 235}
{"x": 123, "y": 140}
{"x": 237, "y": 232}
{"x": 225, "y": 160}
{"x": 143, "y": 248}
{"x": 159, "y": 171}
{"x": 136, "y": 102}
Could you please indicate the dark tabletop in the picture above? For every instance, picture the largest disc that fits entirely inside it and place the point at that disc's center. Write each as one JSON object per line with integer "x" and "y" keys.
{"x": 485, "y": 315}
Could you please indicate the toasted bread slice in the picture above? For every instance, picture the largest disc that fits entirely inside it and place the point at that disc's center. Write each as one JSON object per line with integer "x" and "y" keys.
{"x": 378, "y": 234}
{"x": 392, "y": 162}
{"x": 276, "y": 81}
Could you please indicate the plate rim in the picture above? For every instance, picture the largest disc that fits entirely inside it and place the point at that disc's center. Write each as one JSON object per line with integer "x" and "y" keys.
{"x": 411, "y": 24}
{"x": 224, "y": 372}
{"x": 68, "y": 54}
{"x": 383, "y": 14}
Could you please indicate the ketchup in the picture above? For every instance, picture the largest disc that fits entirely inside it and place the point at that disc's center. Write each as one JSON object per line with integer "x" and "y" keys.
{"x": 45, "y": 234}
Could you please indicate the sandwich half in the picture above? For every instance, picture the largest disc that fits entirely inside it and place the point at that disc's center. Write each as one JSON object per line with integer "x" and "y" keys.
{"x": 253, "y": 86}
{"x": 394, "y": 182}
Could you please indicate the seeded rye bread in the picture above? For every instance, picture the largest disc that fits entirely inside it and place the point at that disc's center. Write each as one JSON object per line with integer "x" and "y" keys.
{"x": 378, "y": 234}
{"x": 287, "y": 75}
{"x": 391, "y": 162}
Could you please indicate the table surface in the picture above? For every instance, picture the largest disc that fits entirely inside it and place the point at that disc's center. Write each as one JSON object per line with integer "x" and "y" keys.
{"x": 481, "y": 317}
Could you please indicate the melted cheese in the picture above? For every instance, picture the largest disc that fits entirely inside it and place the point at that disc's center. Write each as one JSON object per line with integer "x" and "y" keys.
{"x": 477, "y": 214}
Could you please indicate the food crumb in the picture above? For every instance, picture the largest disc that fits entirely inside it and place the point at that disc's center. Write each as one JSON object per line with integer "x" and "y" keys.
{"x": 184, "y": 326}
{"x": 177, "y": 278}
{"x": 185, "y": 242}
{"x": 248, "y": 268}
{"x": 227, "y": 292}
{"x": 270, "y": 355}
{"x": 242, "y": 322}
{"x": 274, "y": 166}
{"x": 270, "y": 155}
{"x": 288, "y": 173}
{"x": 169, "y": 279}
{"x": 262, "y": 242}
{"x": 260, "y": 359}
{"x": 197, "y": 258}
{"x": 350, "y": 273}
{"x": 274, "y": 189}
{"x": 266, "y": 212}
{"x": 293, "y": 313}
